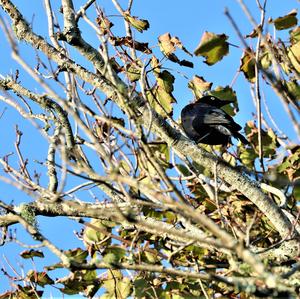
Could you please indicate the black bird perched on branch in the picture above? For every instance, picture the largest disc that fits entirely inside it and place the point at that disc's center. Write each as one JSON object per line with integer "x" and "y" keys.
{"x": 205, "y": 122}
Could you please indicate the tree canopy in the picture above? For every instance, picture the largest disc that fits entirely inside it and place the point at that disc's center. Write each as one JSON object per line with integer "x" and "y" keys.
{"x": 151, "y": 213}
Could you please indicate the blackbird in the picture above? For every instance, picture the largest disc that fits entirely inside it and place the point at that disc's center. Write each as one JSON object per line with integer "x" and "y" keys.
{"x": 204, "y": 122}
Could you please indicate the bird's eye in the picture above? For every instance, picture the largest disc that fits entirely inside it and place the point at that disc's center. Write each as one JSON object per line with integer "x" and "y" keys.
{"x": 212, "y": 98}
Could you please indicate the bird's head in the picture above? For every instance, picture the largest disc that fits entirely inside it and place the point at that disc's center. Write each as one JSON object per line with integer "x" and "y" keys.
{"x": 214, "y": 101}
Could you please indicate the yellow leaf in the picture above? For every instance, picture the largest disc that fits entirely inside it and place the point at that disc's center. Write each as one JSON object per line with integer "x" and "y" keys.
{"x": 199, "y": 86}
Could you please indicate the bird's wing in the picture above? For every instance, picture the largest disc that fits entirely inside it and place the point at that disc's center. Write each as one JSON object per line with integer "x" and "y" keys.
{"x": 215, "y": 116}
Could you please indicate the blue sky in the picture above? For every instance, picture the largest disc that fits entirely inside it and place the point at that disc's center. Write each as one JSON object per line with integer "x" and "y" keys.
{"x": 185, "y": 19}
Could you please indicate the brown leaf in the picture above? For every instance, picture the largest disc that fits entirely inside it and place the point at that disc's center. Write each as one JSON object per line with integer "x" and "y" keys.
{"x": 104, "y": 23}
{"x": 254, "y": 32}
{"x": 177, "y": 43}
{"x": 168, "y": 44}
{"x": 129, "y": 42}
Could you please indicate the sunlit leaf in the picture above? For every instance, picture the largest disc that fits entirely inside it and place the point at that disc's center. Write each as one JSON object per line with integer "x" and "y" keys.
{"x": 117, "y": 285}
{"x": 137, "y": 23}
{"x": 227, "y": 94}
{"x": 294, "y": 56}
{"x": 133, "y": 70}
{"x": 295, "y": 35}
{"x": 248, "y": 156}
{"x": 229, "y": 158}
{"x": 168, "y": 44}
{"x": 254, "y": 32}
{"x": 27, "y": 292}
{"x": 160, "y": 96}
{"x": 161, "y": 151}
{"x": 165, "y": 100}
{"x": 165, "y": 79}
{"x": 199, "y": 86}
{"x": 285, "y": 22}
{"x": 103, "y": 23}
{"x": 150, "y": 257}
{"x": 177, "y": 43}
{"x": 248, "y": 65}
{"x": 31, "y": 253}
{"x": 268, "y": 138}
{"x": 78, "y": 255}
{"x": 41, "y": 278}
{"x": 265, "y": 58}
{"x": 294, "y": 89}
{"x": 113, "y": 254}
{"x": 291, "y": 164}
{"x": 213, "y": 47}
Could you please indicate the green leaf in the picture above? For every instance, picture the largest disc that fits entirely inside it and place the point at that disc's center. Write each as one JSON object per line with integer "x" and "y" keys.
{"x": 140, "y": 286}
{"x": 294, "y": 89}
{"x": 291, "y": 164}
{"x": 117, "y": 285}
{"x": 183, "y": 169}
{"x": 296, "y": 192}
{"x": 166, "y": 100}
{"x": 160, "y": 96}
{"x": 99, "y": 233}
{"x": 165, "y": 79}
{"x": 133, "y": 70}
{"x": 77, "y": 254}
{"x": 41, "y": 278}
{"x": 71, "y": 291}
{"x": 265, "y": 58}
{"x": 268, "y": 138}
{"x": 27, "y": 254}
{"x": 161, "y": 151}
{"x": 150, "y": 257}
{"x": 285, "y": 22}
{"x": 227, "y": 94}
{"x": 212, "y": 46}
{"x": 248, "y": 156}
{"x": 28, "y": 292}
{"x": 113, "y": 254}
{"x": 161, "y": 101}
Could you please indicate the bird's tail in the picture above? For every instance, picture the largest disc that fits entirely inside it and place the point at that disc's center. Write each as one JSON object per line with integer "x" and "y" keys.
{"x": 241, "y": 137}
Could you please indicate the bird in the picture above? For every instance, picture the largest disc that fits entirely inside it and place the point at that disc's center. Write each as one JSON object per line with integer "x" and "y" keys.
{"x": 205, "y": 122}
